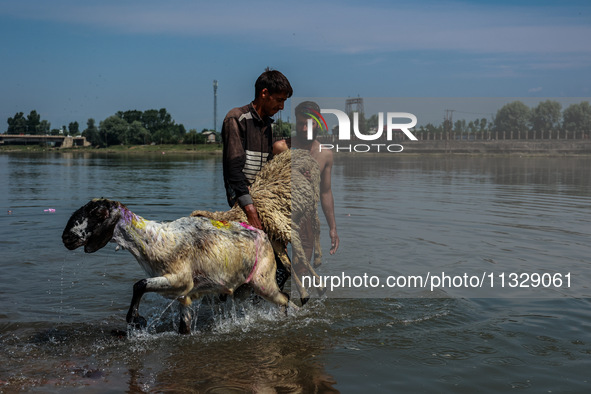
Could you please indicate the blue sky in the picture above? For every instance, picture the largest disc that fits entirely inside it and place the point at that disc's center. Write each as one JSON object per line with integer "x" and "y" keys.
{"x": 74, "y": 60}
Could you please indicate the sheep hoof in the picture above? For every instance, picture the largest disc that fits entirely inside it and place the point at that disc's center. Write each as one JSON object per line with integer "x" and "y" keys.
{"x": 184, "y": 329}
{"x": 293, "y": 306}
{"x": 119, "y": 334}
{"x": 138, "y": 323}
{"x": 304, "y": 300}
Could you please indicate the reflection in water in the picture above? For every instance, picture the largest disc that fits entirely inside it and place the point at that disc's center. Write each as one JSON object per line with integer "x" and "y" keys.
{"x": 563, "y": 173}
{"x": 244, "y": 354}
{"x": 264, "y": 364}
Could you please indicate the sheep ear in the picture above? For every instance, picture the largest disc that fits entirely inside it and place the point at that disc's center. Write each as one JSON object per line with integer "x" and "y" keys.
{"x": 99, "y": 239}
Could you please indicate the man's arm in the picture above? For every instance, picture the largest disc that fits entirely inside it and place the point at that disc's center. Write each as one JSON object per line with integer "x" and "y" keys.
{"x": 327, "y": 202}
{"x": 234, "y": 161}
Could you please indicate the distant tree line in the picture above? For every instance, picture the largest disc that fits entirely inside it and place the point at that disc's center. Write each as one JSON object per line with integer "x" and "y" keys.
{"x": 32, "y": 124}
{"x": 135, "y": 128}
{"x": 129, "y": 128}
{"x": 516, "y": 120}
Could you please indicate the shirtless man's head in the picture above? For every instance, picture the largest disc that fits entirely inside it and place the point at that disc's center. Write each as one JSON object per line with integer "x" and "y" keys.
{"x": 305, "y": 111}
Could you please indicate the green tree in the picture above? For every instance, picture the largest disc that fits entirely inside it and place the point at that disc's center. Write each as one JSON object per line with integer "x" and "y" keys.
{"x": 513, "y": 117}
{"x": 74, "y": 128}
{"x": 112, "y": 131}
{"x": 130, "y": 116}
{"x": 150, "y": 120}
{"x": 33, "y": 122}
{"x": 434, "y": 129}
{"x": 282, "y": 129}
{"x": 161, "y": 126}
{"x": 44, "y": 127}
{"x": 17, "y": 124}
{"x": 91, "y": 133}
{"x": 483, "y": 125}
{"x": 137, "y": 134}
{"x": 136, "y": 127}
{"x": 546, "y": 118}
{"x": 164, "y": 118}
{"x": 577, "y": 119}
{"x": 460, "y": 126}
{"x": 446, "y": 126}
{"x": 193, "y": 137}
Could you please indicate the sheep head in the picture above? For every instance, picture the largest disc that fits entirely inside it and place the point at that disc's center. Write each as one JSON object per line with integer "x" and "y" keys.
{"x": 92, "y": 225}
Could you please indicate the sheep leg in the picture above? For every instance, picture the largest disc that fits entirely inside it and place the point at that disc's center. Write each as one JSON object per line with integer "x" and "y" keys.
{"x": 157, "y": 284}
{"x": 304, "y": 296}
{"x": 186, "y": 317}
{"x": 300, "y": 259}
{"x": 264, "y": 283}
{"x": 281, "y": 258}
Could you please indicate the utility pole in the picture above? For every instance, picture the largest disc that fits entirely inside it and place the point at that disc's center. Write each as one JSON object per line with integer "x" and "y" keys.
{"x": 448, "y": 122}
{"x": 356, "y": 102}
{"x": 448, "y": 126}
{"x": 356, "y": 105}
{"x": 215, "y": 104}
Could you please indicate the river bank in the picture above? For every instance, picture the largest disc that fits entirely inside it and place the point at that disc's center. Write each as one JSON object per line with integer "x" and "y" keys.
{"x": 116, "y": 149}
{"x": 465, "y": 147}
{"x": 521, "y": 147}
{"x": 493, "y": 147}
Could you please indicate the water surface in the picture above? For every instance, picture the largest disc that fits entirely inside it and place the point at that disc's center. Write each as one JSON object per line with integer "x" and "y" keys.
{"x": 395, "y": 215}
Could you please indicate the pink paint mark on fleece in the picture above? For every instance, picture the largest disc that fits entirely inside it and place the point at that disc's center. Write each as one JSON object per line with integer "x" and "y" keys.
{"x": 248, "y": 226}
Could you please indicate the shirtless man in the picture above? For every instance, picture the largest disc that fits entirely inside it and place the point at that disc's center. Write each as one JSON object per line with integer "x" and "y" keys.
{"x": 325, "y": 161}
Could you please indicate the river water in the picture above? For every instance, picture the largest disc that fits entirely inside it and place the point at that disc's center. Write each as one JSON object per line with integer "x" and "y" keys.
{"x": 397, "y": 216}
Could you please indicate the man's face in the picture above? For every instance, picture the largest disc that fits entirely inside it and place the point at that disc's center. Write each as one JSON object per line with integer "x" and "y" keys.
{"x": 302, "y": 127}
{"x": 272, "y": 103}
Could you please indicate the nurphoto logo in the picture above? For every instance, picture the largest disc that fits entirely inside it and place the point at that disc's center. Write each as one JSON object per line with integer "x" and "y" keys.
{"x": 344, "y": 130}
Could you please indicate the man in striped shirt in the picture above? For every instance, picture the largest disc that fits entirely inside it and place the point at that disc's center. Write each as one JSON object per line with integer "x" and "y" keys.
{"x": 248, "y": 139}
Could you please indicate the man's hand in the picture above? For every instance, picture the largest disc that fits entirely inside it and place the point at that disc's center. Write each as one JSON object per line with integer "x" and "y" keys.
{"x": 334, "y": 241}
{"x": 253, "y": 216}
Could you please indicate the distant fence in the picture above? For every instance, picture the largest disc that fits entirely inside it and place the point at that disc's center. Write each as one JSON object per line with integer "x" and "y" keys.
{"x": 471, "y": 136}
{"x": 492, "y": 142}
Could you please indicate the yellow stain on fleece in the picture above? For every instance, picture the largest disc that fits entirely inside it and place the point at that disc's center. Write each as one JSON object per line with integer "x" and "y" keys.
{"x": 220, "y": 224}
{"x": 138, "y": 222}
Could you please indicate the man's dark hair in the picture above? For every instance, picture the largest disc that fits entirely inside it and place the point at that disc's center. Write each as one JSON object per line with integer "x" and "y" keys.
{"x": 306, "y": 107}
{"x": 273, "y": 81}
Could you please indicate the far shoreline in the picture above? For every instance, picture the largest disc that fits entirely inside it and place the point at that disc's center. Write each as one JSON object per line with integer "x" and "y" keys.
{"x": 118, "y": 149}
{"x": 500, "y": 148}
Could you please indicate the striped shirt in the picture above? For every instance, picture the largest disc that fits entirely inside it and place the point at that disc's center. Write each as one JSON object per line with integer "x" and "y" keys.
{"x": 248, "y": 145}
{"x": 253, "y": 164}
